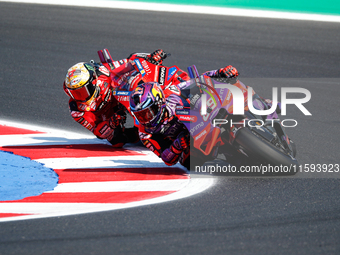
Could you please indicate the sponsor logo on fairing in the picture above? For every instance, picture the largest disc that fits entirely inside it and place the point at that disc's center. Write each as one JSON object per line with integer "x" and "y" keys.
{"x": 194, "y": 99}
{"x": 208, "y": 81}
{"x": 195, "y": 128}
{"x": 146, "y": 67}
{"x": 200, "y": 135}
{"x": 104, "y": 70}
{"x": 123, "y": 93}
{"x": 140, "y": 67}
{"x": 172, "y": 71}
{"x": 161, "y": 76}
{"x": 116, "y": 64}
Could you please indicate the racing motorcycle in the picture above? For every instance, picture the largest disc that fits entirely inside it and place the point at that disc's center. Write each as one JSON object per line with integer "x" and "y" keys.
{"x": 139, "y": 71}
{"x": 242, "y": 139}
{"x": 216, "y": 132}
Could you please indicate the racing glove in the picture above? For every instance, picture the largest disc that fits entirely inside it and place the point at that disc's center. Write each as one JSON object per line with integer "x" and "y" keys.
{"x": 227, "y": 72}
{"x": 182, "y": 141}
{"x": 171, "y": 155}
{"x": 116, "y": 120}
{"x": 157, "y": 57}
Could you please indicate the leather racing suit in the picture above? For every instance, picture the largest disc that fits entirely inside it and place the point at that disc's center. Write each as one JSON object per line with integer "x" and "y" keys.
{"x": 102, "y": 114}
{"x": 162, "y": 139}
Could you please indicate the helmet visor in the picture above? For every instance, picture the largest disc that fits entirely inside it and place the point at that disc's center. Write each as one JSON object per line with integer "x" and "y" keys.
{"x": 83, "y": 93}
{"x": 147, "y": 115}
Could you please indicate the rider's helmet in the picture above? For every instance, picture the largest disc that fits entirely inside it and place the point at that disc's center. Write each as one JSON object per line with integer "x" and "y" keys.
{"x": 147, "y": 103}
{"x": 81, "y": 82}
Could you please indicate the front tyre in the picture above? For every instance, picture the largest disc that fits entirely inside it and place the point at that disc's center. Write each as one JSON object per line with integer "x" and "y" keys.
{"x": 262, "y": 151}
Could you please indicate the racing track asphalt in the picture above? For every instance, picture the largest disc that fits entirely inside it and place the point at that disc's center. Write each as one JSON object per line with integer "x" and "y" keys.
{"x": 239, "y": 215}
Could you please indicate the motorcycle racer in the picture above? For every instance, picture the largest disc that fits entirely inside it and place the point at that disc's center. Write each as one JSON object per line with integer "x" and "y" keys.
{"x": 92, "y": 105}
{"x": 89, "y": 86}
{"x": 159, "y": 128}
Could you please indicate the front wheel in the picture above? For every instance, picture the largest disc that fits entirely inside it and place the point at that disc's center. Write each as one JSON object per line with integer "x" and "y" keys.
{"x": 263, "y": 151}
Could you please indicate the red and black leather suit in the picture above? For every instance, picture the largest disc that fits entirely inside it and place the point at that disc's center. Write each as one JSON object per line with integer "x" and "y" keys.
{"x": 103, "y": 115}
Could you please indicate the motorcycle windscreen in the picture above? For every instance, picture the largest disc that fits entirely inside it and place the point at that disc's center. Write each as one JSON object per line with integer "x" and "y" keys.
{"x": 121, "y": 75}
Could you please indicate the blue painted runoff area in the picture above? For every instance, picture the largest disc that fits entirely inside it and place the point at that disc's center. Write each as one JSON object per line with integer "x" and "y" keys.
{"x": 22, "y": 177}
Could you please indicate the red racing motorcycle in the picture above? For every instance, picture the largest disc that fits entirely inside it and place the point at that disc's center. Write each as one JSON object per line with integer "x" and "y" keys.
{"x": 140, "y": 71}
{"x": 207, "y": 112}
